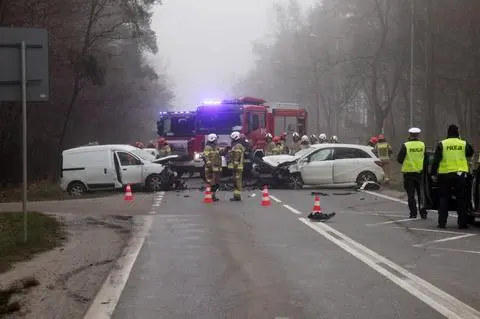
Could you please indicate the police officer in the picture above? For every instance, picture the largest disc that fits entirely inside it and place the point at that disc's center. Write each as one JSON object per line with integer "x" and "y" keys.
{"x": 163, "y": 148}
{"x": 412, "y": 157}
{"x": 236, "y": 165}
{"x": 450, "y": 167}
{"x": 295, "y": 147}
{"x": 213, "y": 164}
{"x": 384, "y": 151}
{"x": 304, "y": 142}
{"x": 270, "y": 144}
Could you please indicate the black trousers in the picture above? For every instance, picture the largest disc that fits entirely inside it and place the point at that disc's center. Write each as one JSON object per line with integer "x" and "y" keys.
{"x": 411, "y": 184}
{"x": 452, "y": 184}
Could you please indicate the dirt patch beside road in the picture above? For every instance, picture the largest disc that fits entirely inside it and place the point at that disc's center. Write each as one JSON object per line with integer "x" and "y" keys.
{"x": 70, "y": 276}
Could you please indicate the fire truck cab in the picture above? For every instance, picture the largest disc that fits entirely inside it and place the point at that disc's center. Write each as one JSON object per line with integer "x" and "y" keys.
{"x": 178, "y": 128}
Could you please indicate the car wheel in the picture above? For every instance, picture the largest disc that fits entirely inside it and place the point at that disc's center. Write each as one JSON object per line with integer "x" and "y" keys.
{"x": 156, "y": 183}
{"x": 366, "y": 176}
{"x": 77, "y": 189}
{"x": 295, "y": 181}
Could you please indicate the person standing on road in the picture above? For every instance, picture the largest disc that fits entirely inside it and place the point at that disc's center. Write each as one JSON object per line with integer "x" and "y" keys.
{"x": 296, "y": 143}
{"x": 213, "y": 164}
{"x": 305, "y": 142}
{"x": 163, "y": 148}
{"x": 270, "y": 144}
{"x": 278, "y": 149}
{"x": 450, "y": 168}
{"x": 323, "y": 138}
{"x": 236, "y": 165}
{"x": 384, "y": 152}
{"x": 412, "y": 157}
{"x": 283, "y": 140}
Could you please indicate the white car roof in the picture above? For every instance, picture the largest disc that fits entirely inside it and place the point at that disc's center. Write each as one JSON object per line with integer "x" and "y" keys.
{"x": 336, "y": 145}
{"x": 118, "y": 147}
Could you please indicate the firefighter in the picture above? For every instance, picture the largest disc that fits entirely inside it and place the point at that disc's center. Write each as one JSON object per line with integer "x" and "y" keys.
{"x": 334, "y": 139}
{"x": 236, "y": 165}
{"x": 247, "y": 157}
{"x": 283, "y": 139}
{"x": 270, "y": 145}
{"x": 139, "y": 145}
{"x": 450, "y": 167}
{"x": 373, "y": 141}
{"x": 304, "y": 142}
{"x": 213, "y": 164}
{"x": 313, "y": 139}
{"x": 163, "y": 148}
{"x": 296, "y": 143}
{"x": 384, "y": 152}
{"x": 323, "y": 138}
{"x": 278, "y": 149}
{"x": 412, "y": 158}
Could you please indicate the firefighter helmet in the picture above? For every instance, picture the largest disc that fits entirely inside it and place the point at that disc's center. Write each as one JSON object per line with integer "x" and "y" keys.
{"x": 235, "y": 136}
{"x": 139, "y": 145}
{"x": 277, "y": 139}
{"x": 305, "y": 138}
{"x": 212, "y": 137}
{"x": 161, "y": 141}
{"x": 323, "y": 136}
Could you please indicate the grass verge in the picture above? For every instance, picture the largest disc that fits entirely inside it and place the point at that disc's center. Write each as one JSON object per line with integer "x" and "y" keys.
{"x": 43, "y": 191}
{"x": 7, "y": 306}
{"x": 44, "y": 233}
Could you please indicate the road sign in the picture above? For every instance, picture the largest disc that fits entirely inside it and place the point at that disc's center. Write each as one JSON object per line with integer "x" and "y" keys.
{"x": 36, "y": 41}
{"x": 24, "y": 77}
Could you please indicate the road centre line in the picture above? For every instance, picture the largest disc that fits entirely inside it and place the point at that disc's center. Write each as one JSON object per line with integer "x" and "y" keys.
{"x": 435, "y": 230}
{"x": 293, "y": 210}
{"x": 443, "y": 240}
{"x": 106, "y": 300}
{"x": 456, "y": 250}
{"x": 275, "y": 199}
{"x": 434, "y": 297}
{"x": 395, "y": 199}
{"x": 392, "y": 221}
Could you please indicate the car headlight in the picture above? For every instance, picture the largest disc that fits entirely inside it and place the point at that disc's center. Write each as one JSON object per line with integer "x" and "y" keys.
{"x": 197, "y": 156}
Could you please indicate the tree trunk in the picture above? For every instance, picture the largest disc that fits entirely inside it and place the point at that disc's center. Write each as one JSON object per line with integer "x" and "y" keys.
{"x": 429, "y": 114}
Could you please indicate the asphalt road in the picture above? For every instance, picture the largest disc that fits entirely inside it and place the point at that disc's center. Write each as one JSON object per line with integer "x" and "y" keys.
{"x": 243, "y": 260}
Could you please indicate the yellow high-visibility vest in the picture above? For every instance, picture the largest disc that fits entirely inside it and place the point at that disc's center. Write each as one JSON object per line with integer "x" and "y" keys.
{"x": 453, "y": 156}
{"x": 415, "y": 155}
{"x": 382, "y": 150}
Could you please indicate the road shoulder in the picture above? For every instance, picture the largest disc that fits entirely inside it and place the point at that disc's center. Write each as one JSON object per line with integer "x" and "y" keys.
{"x": 70, "y": 276}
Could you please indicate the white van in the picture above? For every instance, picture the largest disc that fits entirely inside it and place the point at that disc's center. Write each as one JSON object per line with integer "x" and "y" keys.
{"x": 108, "y": 167}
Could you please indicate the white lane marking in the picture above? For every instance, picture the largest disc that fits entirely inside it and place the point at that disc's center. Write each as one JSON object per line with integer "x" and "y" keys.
{"x": 457, "y": 250}
{"x": 443, "y": 240}
{"x": 437, "y": 299}
{"x": 109, "y": 294}
{"x": 398, "y": 200}
{"x": 293, "y": 210}
{"x": 275, "y": 199}
{"x": 393, "y": 221}
{"x": 434, "y": 230}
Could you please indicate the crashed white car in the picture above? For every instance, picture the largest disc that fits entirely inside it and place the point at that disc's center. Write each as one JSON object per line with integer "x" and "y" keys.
{"x": 323, "y": 164}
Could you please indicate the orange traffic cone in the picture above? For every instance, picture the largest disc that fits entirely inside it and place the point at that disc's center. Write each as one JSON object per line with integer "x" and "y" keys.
{"x": 128, "y": 193}
{"x": 265, "y": 197}
{"x": 317, "y": 214}
{"x": 316, "y": 205}
{"x": 208, "y": 196}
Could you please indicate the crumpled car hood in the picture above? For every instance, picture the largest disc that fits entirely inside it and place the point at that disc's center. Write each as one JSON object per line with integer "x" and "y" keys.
{"x": 275, "y": 160}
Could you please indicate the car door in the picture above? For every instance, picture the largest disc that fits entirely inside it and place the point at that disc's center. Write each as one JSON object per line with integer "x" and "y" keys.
{"x": 348, "y": 163}
{"x": 99, "y": 174}
{"x": 317, "y": 167}
{"x": 130, "y": 168}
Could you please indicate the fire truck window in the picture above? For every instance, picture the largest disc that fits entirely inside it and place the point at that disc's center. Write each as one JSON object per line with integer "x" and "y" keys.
{"x": 220, "y": 123}
{"x": 255, "y": 122}
{"x": 178, "y": 126}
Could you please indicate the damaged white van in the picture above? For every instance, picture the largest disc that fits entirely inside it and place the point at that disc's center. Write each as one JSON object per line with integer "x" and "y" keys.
{"x": 108, "y": 167}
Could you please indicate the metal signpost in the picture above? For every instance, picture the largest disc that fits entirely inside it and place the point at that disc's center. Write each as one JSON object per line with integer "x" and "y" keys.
{"x": 24, "y": 77}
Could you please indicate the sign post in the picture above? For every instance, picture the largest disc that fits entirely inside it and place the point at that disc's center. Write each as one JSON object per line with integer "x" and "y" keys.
{"x": 24, "y": 77}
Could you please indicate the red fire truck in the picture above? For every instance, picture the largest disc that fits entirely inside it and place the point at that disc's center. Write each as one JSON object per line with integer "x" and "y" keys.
{"x": 248, "y": 115}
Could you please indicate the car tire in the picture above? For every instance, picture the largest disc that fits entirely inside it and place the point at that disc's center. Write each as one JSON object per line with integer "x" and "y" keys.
{"x": 295, "y": 181}
{"x": 156, "y": 182}
{"x": 76, "y": 189}
{"x": 366, "y": 176}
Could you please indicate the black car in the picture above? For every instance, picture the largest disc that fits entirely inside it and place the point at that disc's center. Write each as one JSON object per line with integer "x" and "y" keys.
{"x": 430, "y": 191}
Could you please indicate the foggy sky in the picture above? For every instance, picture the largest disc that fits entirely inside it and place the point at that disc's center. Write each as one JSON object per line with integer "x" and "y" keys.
{"x": 206, "y": 44}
